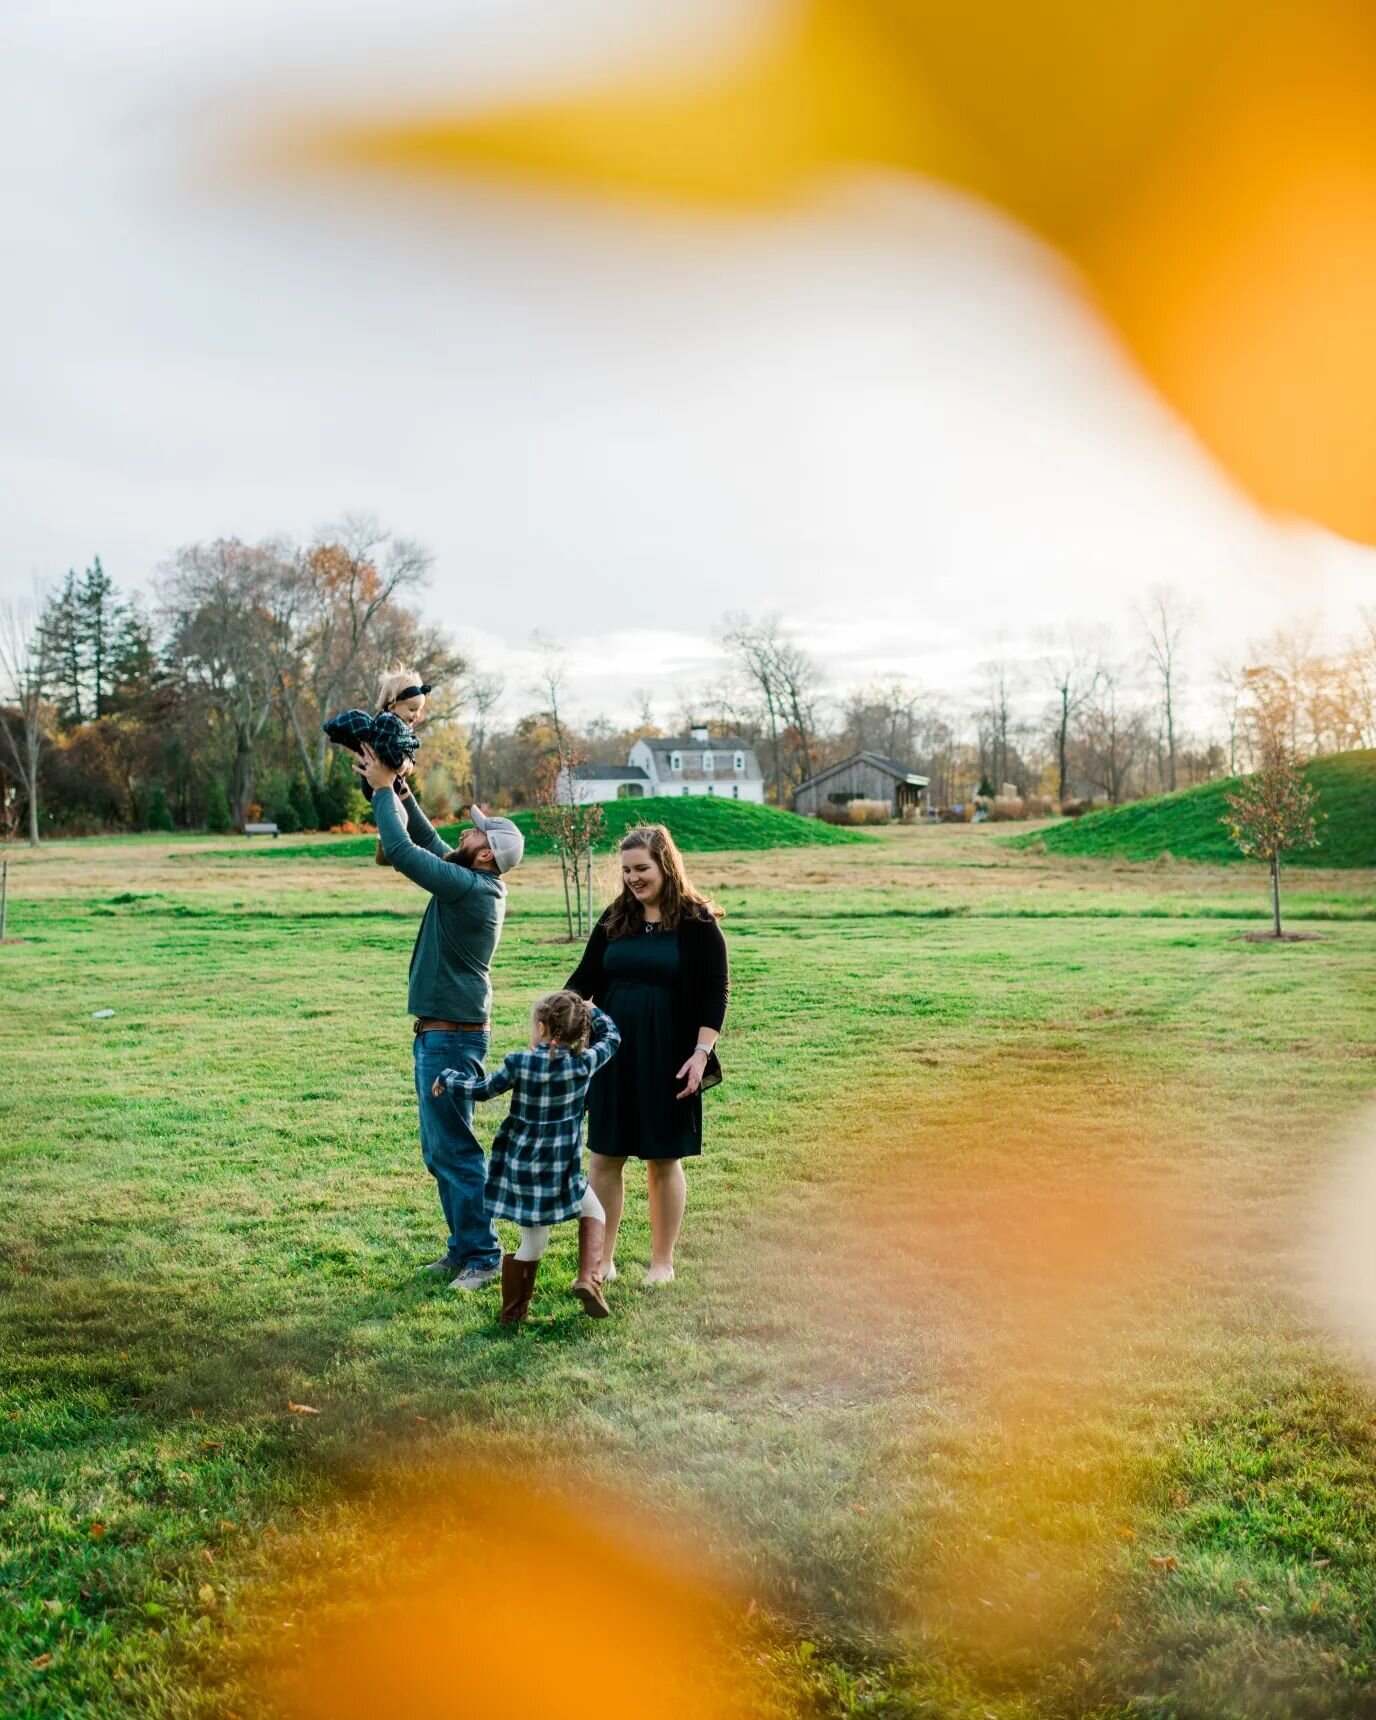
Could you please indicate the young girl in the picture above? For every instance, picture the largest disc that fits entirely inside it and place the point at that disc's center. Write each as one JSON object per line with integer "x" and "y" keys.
{"x": 535, "y": 1174}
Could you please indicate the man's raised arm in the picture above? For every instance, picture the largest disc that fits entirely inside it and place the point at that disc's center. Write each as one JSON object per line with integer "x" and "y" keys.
{"x": 422, "y": 865}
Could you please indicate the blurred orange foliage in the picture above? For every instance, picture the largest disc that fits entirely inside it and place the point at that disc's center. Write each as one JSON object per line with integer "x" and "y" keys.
{"x": 1209, "y": 165}
{"x": 500, "y": 1594}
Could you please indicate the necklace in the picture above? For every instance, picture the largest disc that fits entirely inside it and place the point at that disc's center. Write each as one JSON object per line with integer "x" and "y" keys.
{"x": 652, "y": 926}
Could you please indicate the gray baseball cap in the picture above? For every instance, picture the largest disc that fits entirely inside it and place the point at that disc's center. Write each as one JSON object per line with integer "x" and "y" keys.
{"x": 503, "y": 838}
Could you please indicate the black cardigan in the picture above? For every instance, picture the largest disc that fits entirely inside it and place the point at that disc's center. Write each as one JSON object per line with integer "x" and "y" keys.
{"x": 704, "y": 983}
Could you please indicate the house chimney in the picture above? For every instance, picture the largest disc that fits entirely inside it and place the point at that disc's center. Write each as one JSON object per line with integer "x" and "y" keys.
{"x": 698, "y": 733}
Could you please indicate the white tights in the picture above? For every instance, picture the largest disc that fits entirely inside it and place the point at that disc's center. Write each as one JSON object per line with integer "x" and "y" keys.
{"x": 535, "y": 1237}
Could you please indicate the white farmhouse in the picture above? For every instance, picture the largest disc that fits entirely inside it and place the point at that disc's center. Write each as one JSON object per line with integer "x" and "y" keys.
{"x": 695, "y": 763}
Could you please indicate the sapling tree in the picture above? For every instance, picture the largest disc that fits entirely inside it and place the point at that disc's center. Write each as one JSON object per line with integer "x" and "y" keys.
{"x": 572, "y": 825}
{"x": 1272, "y": 813}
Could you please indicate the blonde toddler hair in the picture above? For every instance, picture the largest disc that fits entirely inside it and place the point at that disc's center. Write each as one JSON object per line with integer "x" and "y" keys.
{"x": 392, "y": 683}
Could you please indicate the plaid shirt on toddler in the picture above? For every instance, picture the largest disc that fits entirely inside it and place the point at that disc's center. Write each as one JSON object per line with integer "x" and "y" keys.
{"x": 535, "y": 1173}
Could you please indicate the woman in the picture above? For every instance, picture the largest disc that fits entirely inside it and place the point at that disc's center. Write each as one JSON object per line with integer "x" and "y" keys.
{"x": 656, "y": 963}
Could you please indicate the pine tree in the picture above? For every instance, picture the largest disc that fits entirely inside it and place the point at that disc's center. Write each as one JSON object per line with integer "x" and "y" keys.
{"x": 63, "y": 658}
{"x": 99, "y": 616}
{"x": 134, "y": 675}
{"x": 157, "y": 815}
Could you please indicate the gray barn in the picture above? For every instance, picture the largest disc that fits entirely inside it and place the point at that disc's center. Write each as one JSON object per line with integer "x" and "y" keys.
{"x": 863, "y": 776}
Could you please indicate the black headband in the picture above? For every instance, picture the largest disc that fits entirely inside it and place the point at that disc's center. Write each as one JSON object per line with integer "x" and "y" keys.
{"x": 409, "y": 693}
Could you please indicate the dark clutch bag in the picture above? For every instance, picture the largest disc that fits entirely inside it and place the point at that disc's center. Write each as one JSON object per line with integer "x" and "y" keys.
{"x": 711, "y": 1075}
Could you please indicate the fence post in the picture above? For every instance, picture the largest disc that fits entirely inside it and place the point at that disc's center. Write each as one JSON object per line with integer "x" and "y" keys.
{"x": 4, "y": 894}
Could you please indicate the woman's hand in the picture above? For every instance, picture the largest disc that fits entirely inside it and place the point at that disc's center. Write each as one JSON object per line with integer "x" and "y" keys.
{"x": 374, "y": 772}
{"x": 691, "y": 1074}
{"x": 437, "y": 1091}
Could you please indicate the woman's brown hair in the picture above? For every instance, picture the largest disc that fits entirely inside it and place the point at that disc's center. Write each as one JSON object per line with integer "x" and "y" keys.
{"x": 678, "y": 901}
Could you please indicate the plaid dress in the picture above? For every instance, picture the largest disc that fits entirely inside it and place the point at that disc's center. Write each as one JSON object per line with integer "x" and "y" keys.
{"x": 535, "y": 1173}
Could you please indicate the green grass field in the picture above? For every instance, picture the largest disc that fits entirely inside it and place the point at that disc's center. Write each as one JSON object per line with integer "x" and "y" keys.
{"x": 701, "y": 824}
{"x": 988, "y": 1384}
{"x": 1189, "y": 825}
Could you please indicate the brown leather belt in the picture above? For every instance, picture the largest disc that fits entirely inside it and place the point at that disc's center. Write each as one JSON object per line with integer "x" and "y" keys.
{"x": 428, "y": 1024}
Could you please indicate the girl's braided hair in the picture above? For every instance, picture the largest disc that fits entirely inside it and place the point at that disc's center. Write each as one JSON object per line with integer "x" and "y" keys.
{"x": 564, "y": 1016}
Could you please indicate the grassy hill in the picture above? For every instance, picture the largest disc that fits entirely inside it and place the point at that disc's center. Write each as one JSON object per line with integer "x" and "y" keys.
{"x": 700, "y": 824}
{"x": 1189, "y": 825}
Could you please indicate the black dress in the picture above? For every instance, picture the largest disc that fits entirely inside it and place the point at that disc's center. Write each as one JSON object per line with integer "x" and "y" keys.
{"x": 632, "y": 1108}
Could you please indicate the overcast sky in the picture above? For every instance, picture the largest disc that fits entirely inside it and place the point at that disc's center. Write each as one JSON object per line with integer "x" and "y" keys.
{"x": 890, "y": 418}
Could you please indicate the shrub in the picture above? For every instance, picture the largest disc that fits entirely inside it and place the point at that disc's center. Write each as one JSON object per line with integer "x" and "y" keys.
{"x": 339, "y": 800}
{"x": 1039, "y": 806}
{"x": 157, "y": 815}
{"x": 217, "y": 815}
{"x": 1004, "y": 809}
{"x": 870, "y": 812}
{"x": 303, "y": 803}
{"x": 1076, "y": 808}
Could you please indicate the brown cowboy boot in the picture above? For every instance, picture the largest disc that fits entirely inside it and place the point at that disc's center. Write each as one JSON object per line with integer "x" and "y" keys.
{"x": 587, "y": 1286}
{"x": 518, "y": 1285}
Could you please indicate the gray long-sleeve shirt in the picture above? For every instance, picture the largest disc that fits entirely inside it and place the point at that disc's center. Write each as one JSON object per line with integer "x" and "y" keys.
{"x": 450, "y": 977}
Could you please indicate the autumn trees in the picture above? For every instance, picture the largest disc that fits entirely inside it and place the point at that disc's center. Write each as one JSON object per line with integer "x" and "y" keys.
{"x": 211, "y": 700}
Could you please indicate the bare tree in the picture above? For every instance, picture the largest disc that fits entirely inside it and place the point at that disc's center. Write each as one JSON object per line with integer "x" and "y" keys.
{"x": 1361, "y": 678}
{"x": 994, "y": 721}
{"x": 752, "y": 645}
{"x": 785, "y": 680}
{"x": 1231, "y": 682}
{"x": 482, "y": 694}
{"x": 24, "y": 728}
{"x": 349, "y": 577}
{"x": 796, "y": 677}
{"x": 573, "y": 825}
{"x": 1163, "y": 619}
{"x": 229, "y": 606}
{"x": 1072, "y": 667}
{"x": 1113, "y": 739}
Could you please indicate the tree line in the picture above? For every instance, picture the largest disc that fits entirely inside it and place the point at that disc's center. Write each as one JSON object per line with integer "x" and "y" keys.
{"x": 201, "y": 706}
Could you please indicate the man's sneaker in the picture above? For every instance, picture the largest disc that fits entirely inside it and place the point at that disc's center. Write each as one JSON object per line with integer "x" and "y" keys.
{"x": 475, "y": 1277}
{"x": 445, "y": 1267}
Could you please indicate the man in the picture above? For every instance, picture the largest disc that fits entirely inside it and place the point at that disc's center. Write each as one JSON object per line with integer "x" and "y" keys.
{"x": 450, "y": 996}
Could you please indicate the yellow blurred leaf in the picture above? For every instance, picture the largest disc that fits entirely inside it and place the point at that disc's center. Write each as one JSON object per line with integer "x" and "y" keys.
{"x": 1208, "y": 165}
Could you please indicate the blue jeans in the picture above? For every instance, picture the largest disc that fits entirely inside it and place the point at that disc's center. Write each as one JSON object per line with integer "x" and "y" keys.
{"x": 450, "y": 1148}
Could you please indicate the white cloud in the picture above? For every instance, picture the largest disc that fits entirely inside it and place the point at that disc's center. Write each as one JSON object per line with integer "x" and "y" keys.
{"x": 891, "y": 420}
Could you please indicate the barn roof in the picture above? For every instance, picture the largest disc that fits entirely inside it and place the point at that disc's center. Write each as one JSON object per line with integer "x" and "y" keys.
{"x": 609, "y": 773}
{"x": 890, "y": 766}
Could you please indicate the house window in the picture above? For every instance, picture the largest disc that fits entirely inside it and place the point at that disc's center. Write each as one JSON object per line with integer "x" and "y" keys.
{"x": 686, "y": 789}
{"x": 739, "y": 763}
{"x": 709, "y": 763}
{"x": 629, "y": 791}
{"x": 675, "y": 761}
{"x": 735, "y": 791}
{"x": 711, "y": 788}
